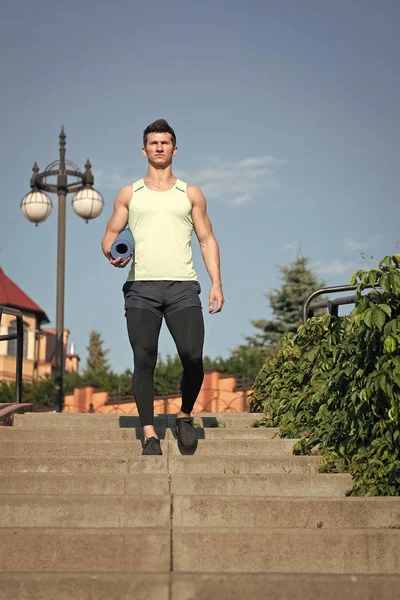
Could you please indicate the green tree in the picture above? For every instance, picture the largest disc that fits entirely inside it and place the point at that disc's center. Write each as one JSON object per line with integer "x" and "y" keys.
{"x": 97, "y": 361}
{"x": 167, "y": 376}
{"x": 298, "y": 282}
{"x": 245, "y": 361}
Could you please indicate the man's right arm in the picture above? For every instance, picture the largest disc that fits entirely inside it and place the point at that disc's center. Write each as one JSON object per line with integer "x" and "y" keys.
{"x": 116, "y": 223}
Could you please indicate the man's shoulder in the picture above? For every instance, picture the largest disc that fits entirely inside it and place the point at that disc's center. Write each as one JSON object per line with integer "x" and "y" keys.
{"x": 137, "y": 185}
{"x": 194, "y": 193}
{"x": 127, "y": 191}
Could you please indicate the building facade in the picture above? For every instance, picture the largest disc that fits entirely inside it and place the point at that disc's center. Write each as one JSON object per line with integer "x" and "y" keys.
{"x": 39, "y": 342}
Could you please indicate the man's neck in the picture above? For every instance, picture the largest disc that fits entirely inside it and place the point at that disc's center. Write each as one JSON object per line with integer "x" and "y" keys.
{"x": 160, "y": 176}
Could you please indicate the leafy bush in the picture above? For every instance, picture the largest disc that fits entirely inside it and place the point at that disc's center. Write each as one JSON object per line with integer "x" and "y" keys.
{"x": 7, "y": 392}
{"x": 335, "y": 384}
{"x": 39, "y": 393}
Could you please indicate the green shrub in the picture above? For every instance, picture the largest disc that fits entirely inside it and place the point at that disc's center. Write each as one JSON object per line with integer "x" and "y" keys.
{"x": 335, "y": 384}
{"x": 39, "y": 393}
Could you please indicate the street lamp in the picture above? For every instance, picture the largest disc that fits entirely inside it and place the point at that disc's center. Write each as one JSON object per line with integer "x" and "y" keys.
{"x": 36, "y": 207}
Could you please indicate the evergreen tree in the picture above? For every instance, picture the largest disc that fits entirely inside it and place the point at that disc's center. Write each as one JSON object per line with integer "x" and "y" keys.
{"x": 286, "y": 303}
{"x": 97, "y": 358}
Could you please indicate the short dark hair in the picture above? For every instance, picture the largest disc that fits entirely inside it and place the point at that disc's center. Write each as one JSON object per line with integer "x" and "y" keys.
{"x": 159, "y": 126}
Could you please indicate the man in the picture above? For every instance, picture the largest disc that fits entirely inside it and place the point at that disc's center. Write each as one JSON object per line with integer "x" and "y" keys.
{"x": 162, "y": 211}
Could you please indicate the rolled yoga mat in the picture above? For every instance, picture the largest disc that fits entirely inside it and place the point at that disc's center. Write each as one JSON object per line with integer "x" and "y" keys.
{"x": 123, "y": 245}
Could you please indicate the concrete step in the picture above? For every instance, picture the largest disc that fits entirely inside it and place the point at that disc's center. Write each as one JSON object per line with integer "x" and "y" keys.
{"x": 226, "y": 419}
{"x": 123, "y": 450}
{"x": 158, "y": 464}
{"x": 309, "y": 513}
{"x": 83, "y": 421}
{"x": 152, "y": 484}
{"x": 198, "y": 586}
{"x": 234, "y": 433}
{"x": 273, "y": 484}
{"x": 293, "y": 586}
{"x": 81, "y": 586}
{"x": 241, "y": 550}
{"x": 85, "y": 550}
{"x": 242, "y": 465}
{"x": 148, "y": 484}
{"x": 237, "y": 447}
{"x": 128, "y": 449}
{"x": 85, "y": 511}
{"x": 60, "y": 464}
{"x": 66, "y": 420}
{"x": 69, "y": 434}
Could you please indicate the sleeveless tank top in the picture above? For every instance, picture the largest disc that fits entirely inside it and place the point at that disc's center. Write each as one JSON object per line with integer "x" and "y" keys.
{"x": 162, "y": 226}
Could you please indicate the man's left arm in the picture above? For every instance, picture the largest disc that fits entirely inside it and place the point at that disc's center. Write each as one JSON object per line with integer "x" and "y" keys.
{"x": 209, "y": 246}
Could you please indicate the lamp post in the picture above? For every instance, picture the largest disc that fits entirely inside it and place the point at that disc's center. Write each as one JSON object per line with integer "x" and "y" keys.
{"x": 36, "y": 207}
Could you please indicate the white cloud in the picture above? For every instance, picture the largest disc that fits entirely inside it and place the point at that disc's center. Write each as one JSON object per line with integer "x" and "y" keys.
{"x": 289, "y": 247}
{"x": 241, "y": 199}
{"x": 259, "y": 161}
{"x": 353, "y": 245}
{"x": 111, "y": 181}
{"x": 334, "y": 267}
{"x": 236, "y": 182}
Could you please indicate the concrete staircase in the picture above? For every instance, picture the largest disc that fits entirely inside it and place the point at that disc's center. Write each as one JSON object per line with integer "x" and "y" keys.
{"x": 83, "y": 515}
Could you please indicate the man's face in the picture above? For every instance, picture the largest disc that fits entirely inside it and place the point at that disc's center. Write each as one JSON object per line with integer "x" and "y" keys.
{"x": 159, "y": 149}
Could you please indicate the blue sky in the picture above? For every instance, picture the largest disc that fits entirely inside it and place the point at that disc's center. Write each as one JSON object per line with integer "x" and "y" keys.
{"x": 286, "y": 115}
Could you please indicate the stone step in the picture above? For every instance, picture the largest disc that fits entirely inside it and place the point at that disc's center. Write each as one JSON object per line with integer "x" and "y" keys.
{"x": 122, "y": 450}
{"x": 198, "y": 586}
{"x": 83, "y": 511}
{"x": 83, "y": 421}
{"x": 85, "y": 550}
{"x": 70, "y": 434}
{"x": 223, "y": 420}
{"x": 242, "y": 465}
{"x": 284, "y": 512}
{"x": 293, "y": 586}
{"x": 234, "y": 433}
{"x": 241, "y": 550}
{"x": 50, "y": 464}
{"x": 158, "y": 464}
{"x": 273, "y": 484}
{"x": 98, "y": 421}
{"x": 148, "y": 484}
{"x": 237, "y": 447}
{"x": 15, "y": 434}
{"x": 82, "y": 586}
{"x": 126, "y": 450}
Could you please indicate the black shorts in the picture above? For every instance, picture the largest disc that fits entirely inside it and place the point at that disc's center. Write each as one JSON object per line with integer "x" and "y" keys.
{"x": 161, "y": 297}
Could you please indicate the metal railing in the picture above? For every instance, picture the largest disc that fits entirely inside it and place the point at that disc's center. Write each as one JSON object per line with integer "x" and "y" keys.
{"x": 19, "y": 336}
{"x": 331, "y": 305}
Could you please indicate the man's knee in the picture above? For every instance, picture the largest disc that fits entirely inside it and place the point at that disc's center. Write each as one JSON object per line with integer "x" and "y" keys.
{"x": 192, "y": 358}
{"x": 145, "y": 359}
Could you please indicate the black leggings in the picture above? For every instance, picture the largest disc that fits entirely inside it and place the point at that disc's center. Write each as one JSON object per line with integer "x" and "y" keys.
{"x": 187, "y": 329}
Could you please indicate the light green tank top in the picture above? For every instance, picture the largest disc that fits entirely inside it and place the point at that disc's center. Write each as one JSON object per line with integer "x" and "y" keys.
{"x": 162, "y": 226}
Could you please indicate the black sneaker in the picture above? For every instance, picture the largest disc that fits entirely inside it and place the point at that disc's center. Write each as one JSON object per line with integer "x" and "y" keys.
{"x": 152, "y": 446}
{"x": 186, "y": 433}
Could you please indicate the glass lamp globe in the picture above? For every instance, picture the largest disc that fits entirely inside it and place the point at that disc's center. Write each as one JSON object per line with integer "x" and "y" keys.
{"x": 88, "y": 203}
{"x": 36, "y": 206}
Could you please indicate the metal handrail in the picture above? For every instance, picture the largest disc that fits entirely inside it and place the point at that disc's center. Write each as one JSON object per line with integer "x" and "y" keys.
{"x": 331, "y": 305}
{"x": 19, "y": 336}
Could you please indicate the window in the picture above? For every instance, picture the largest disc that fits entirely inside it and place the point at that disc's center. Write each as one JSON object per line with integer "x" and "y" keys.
{"x": 12, "y": 344}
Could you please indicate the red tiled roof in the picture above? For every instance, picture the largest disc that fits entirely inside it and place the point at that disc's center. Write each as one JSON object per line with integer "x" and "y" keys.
{"x": 12, "y": 295}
